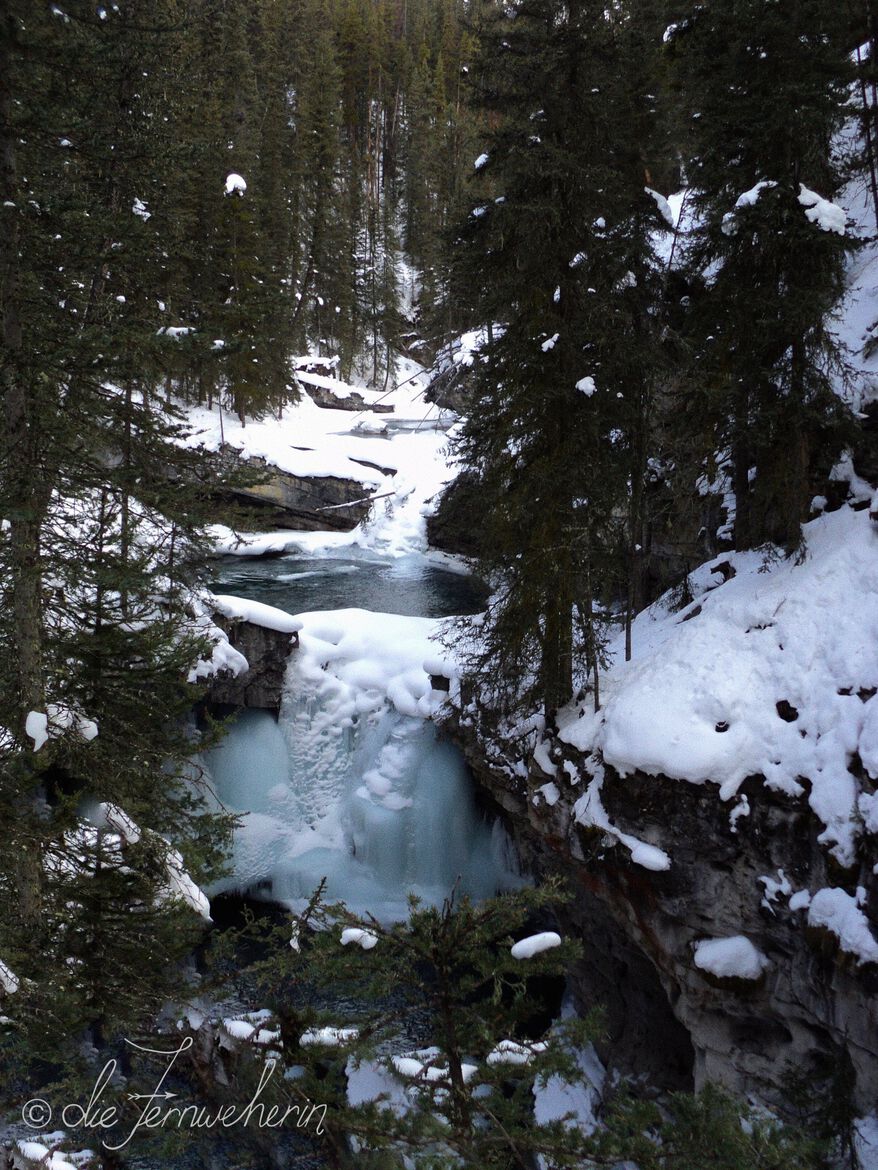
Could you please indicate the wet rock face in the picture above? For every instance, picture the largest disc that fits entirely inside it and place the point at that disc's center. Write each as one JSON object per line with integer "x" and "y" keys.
{"x": 457, "y": 522}
{"x": 302, "y": 503}
{"x": 814, "y": 1008}
{"x": 353, "y": 401}
{"x": 452, "y": 388}
{"x": 267, "y": 652}
{"x": 812, "y": 1014}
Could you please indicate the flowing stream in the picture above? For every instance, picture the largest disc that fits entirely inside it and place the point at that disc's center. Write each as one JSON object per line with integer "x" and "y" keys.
{"x": 353, "y": 784}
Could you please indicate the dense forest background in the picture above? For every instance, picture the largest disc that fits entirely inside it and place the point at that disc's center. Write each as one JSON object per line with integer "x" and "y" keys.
{"x": 194, "y": 193}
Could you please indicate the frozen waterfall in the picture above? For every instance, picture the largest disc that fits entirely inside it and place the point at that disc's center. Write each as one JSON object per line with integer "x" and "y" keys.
{"x": 353, "y": 784}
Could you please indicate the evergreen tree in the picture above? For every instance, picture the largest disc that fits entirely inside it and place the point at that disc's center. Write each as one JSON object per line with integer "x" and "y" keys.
{"x": 763, "y": 87}
{"x": 102, "y": 546}
{"x": 558, "y": 268}
{"x": 324, "y": 279}
{"x": 445, "y": 1021}
{"x": 444, "y": 1005}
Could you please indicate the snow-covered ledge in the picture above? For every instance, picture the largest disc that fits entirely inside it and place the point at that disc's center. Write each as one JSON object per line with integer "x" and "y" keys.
{"x": 265, "y": 636}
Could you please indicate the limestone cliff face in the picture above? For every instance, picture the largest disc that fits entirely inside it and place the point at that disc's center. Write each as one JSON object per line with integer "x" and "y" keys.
{"x": 303, "y": 503}
{"x": 813, "y": 1012}
{"x": 267, "y": 652}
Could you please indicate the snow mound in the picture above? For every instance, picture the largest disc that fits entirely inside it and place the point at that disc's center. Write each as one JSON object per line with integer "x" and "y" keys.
{"x": 37, "y": 1154}
{"x": 255, "y": 612}
{"x": 511, "y": 1052}
{"x": 839, "y": 913}
{"x": 828, "y": 216}
{"x": 425, "y": 1070}
{"x": 368, "y": 659}
{"x": 363, "y": 938}
{"x": 730, "y": 958}
{"x": 535, "y": 944}
{"x": 770, "y": 674}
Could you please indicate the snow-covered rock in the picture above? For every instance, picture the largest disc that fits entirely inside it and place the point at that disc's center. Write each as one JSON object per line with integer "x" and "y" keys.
{"x": 740, "y": 745}
{"x": 511, "y": 1052}
{"x": 763, "y": 681}
{"x": 839, "y": 913}
{"x": 256, "y": 612}
{"x": 730, "y": 958}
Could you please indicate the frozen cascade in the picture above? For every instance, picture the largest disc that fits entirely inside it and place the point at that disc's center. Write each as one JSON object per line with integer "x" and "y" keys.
{"x": 348, "y": 788}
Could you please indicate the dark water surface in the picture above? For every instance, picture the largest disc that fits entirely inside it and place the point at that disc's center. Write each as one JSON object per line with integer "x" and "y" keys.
{"x": 296, "y": 583}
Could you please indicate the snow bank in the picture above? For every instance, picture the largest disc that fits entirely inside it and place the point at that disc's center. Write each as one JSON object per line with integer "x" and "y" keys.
{"x": 730, "y": 958}
{"x": 577, "y": 1102}
{"x": 535, "y": 944}
{"x": 838, "y": 912}
{"x": 403, "y": 467}
{"x": 764, "y": 679}
{"x": 866, "y": 1141}
{"x": 255, "y": 612}
{"x": 372, "y": 1080}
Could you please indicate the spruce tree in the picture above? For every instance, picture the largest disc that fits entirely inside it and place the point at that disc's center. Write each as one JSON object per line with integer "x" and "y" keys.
{"x": 763, "y": 88}
{"x": 103, "y": 541}
{"x": 557, "y": 267}
{"x": 426, "y": 1042}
